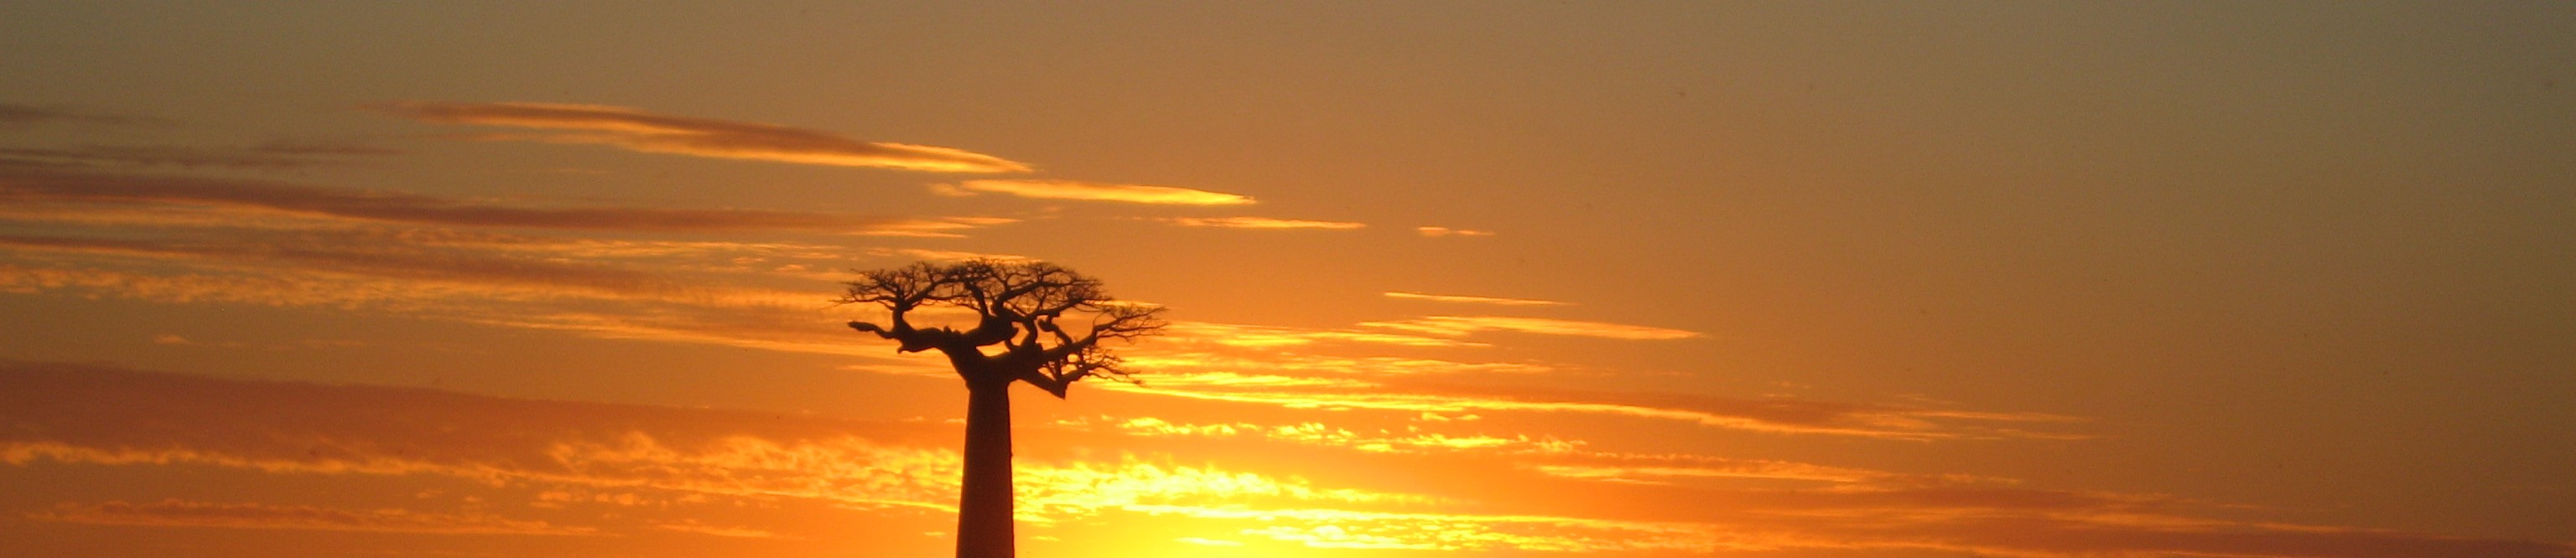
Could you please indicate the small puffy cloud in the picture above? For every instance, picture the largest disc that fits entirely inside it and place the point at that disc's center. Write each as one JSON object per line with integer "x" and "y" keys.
{"x": 1262, "y": 223}
{"x": 1472, "y": 299}
{"x": 636, "y": 130}
{"x": 1460, "y": 326}
{"x": 1446, "y": 231}
{"x": 1091, "y": 191}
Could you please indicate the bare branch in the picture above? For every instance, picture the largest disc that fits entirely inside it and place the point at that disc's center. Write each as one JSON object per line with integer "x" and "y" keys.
{"x": 1113, "y": 321}
{"x": 1057, "y": 375}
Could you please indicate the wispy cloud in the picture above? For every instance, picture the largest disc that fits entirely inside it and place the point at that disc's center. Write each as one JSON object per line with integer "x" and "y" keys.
{"x": 1446, "y": 231}
{"x": 945, "y": 255}
{"x": 692, "y": 526}
{"x": 1320, "y": 434}
{"x": 747, "y": 318}
{"x": 1546, "y": 454}
{"x": 637, "y": 130}
{"x": 249, "y": 515}
{"x": 14, "y": 115}
{"x": 1192, "y": 362}
{"x": 1262, "y": 223}
{"x": 654, "y": 290}
{"x": 1772, "y": 415}
{"x": 1258, "y": 336}
{"x": 1668, "y": 468}
{"x": 342, "y": 430}
{"x": 1473, "y": 299}
{"x": 344, "y": 258}
{"x": 133, "y": 189}
{"x": 1092, "y": 191}
{"x": 268, "y": 156}
{"x": 1460, "y": 326}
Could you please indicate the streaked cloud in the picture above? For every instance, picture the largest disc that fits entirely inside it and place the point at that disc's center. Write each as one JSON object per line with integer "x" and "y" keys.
{"x": 637, "y": 130}
{"x": 1262, "y": 223}
{"x": 1473, "y": 299}
{"x": 268, "y": 156}
{"x": 945, "y": 255}
{"x": 1301, "y": 363}
{"x": 1460, "y": 532}
{"x": 693, "y": 526}
{"x": 248, "y": 515}
{"x": 1461, "y": 326}
{"x": 1091, "y": 191}
{"x": 341, "y": 430}
{"x": 212, "y": 241}
{"x": 1773, "y": 415}
{"x": 1446, "y": 231}
{"x": 777, "y": 321}
{"x": 349, "y": 257}
{"x": 399, "y": 207}
{"x": 1545, "y": 454}
{"x": 1320, "y": 434}
{"x": 1663, "y": 469}
{"x": 654, "y": 290}
{"x": 1256, "y": 336}
{"x": 2028, "y": 524}
{"x": 15, "y": 115}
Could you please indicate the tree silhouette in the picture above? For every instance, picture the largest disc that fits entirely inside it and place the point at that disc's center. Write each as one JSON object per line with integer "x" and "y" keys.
{"x": 1028, "y": 309}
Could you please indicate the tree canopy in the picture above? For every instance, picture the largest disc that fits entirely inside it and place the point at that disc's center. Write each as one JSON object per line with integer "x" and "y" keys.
{"x": 1048, "y": 321}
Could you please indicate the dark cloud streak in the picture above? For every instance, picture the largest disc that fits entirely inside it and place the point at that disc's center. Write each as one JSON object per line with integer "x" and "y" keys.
{"x": 15, "y": 115}
{"x": 39, "y": 185}
{"x": 267, "y": 156}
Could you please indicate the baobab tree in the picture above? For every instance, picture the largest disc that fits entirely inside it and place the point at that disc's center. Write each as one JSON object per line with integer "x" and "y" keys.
{"x": 1047, "y": 325}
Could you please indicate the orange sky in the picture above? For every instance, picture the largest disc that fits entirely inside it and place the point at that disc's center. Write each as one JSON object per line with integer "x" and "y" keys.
{"x": 1795, "y": 280}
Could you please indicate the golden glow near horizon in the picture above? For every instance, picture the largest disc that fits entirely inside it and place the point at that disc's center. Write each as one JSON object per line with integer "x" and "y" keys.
{"x": 2029, "y": 280}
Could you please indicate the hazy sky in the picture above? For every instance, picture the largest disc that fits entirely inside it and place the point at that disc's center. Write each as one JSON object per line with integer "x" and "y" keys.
{"x": 1617, "y": 279}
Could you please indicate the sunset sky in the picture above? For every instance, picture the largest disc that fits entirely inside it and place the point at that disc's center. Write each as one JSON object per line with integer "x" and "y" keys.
{"x": 1843, "y": 280}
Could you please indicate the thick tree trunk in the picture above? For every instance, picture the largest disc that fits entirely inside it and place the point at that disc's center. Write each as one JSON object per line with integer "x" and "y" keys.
{"x": 984, "y": 505}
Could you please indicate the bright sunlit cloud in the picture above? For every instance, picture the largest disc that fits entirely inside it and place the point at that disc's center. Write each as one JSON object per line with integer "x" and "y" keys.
{"x": 1262, "y": 223}
{"x": 1460, "y": 326}
{"x": 636, "y": 130}
{"x": 1473, "y": 299}
{"x": 1446, "y": 231}
{"x": 250, "y": 515}
{"x": 1091, "y": 191}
